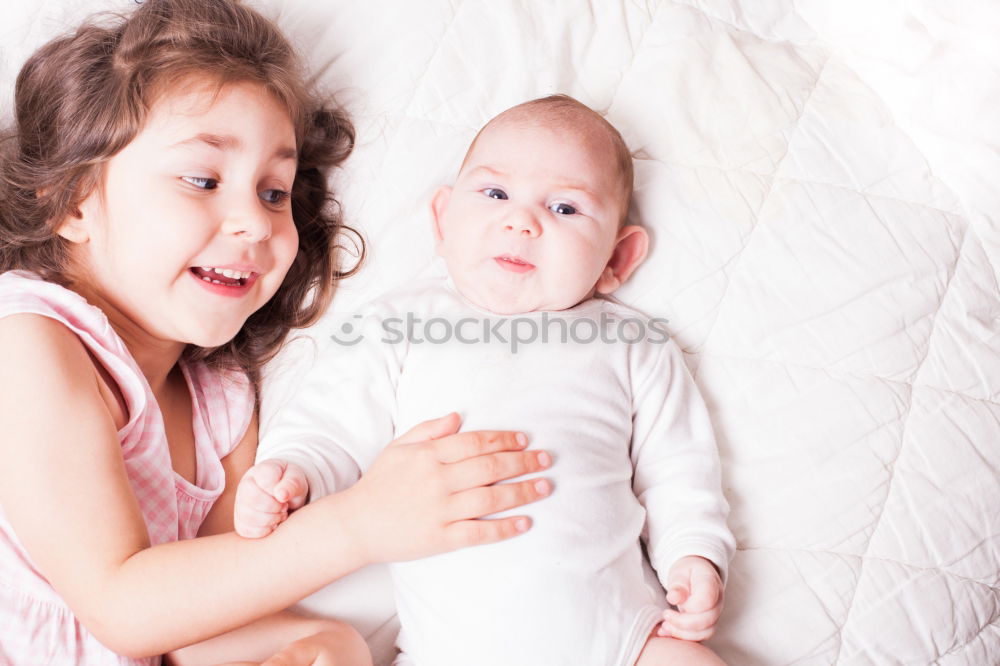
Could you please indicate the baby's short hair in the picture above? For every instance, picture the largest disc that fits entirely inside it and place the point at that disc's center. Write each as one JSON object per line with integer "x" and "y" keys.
{"x": 565, "y": 111}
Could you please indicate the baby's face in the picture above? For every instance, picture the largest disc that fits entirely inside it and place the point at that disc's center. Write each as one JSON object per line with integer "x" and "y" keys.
{"x": 532, "y": 220}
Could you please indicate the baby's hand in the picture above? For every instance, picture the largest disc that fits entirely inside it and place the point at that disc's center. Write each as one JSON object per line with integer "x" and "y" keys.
{"x": 695, "y": 587}
{"x": 267, "y": 492}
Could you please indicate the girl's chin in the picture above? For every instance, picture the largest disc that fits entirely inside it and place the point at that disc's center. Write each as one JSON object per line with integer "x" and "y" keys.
{"x": 211, "y": 339}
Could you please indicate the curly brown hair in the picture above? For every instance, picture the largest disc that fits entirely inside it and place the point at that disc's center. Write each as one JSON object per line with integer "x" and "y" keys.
{"x": 83, "y": 97}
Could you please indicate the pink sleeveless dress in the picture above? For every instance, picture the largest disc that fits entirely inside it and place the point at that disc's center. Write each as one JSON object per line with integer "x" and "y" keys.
{"x": 36, "y": 626}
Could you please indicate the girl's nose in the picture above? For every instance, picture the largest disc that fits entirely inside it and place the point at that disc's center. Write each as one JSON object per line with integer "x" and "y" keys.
{"x": 248, "y": 221}
{"x": 523, "y": 223}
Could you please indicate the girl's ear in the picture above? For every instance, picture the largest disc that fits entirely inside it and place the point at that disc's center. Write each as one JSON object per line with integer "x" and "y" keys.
{"x": 630, "y": 249}
{"x": 439, "y": 204}
{"x": 75, "y": 228}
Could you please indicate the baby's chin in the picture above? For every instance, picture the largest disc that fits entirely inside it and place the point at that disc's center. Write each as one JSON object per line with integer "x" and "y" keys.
{"x": 514, "y": 302}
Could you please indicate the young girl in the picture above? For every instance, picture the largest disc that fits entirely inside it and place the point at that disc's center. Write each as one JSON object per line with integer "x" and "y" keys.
{"x": 164, "y": 222}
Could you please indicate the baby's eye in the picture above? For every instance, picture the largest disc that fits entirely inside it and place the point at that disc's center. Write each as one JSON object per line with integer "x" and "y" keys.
{"x": 201, "y": 183}
{"x": 495, "y": 193}
{"x": 275, "y": 197}
{"x": 562, "y": 209}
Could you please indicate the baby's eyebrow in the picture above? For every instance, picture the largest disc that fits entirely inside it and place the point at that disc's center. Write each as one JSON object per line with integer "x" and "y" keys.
{"x": 582, "y": 190}
{"x": 486, "y": 170}
{"x": 227, "y": 142}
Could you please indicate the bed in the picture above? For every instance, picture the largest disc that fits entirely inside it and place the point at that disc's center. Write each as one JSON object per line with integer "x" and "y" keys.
{"x": 820, "y": 181}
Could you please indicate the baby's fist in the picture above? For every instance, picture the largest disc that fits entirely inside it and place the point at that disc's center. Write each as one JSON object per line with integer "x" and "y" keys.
{"x": 695, "y": 588}
{"x": 265, "y": 495}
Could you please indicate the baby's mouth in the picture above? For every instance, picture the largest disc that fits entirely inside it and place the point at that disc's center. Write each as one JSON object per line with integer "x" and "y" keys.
{"x": 514, "y": 263}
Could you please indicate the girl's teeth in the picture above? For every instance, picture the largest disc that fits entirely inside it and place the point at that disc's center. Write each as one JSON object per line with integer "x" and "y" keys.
{"x": 227, "y": 272}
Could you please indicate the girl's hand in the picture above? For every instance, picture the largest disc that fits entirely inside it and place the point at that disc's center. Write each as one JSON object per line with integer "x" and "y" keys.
{"x": 423, "y": 493}
{"x": 265, "y": 495}
{"x": 695, "y": 587}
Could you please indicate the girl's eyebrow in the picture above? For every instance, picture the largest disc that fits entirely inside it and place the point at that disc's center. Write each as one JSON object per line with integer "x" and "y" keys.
{"x": 228, "y": 142}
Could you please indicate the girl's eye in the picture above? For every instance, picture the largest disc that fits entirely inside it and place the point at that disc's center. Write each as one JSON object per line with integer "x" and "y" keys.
{"x": 495, "y": 193}
{"x": 562, "y": 209}
{"x": 201, "y": 183}
{"x": 275, "y": 197}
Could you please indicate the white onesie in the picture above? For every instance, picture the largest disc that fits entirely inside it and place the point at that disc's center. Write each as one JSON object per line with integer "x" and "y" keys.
{"x": 633, "y": 455}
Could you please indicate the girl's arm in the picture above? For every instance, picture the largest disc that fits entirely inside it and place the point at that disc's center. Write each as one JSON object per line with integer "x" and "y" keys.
{"x": 64, "y": 490}
{"x": 263, "y": 638}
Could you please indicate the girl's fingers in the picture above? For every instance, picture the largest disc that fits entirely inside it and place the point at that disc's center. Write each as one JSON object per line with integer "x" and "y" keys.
{"x": 477, "y": 443}
{"x": 478, "y": 532}
{"x": 433, "y": 429}
{"x": 483, "y": 501}
{"x": 484, "y": 470}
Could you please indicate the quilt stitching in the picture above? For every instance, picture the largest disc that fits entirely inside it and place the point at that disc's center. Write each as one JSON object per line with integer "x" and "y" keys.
{"x": 735, "y": 258}
{"x": 902, "y": 444}
{"x": 994, "y": 622}
{"x": 841, "y": 374}
{"x": 419, "y": 84}
{"x": 638, "y": 47}
{"x": 734, "y": 26}
{"x": 873, "y": 558}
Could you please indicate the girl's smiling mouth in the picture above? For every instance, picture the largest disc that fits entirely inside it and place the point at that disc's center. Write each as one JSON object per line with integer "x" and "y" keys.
{"x": 225, "y": 280}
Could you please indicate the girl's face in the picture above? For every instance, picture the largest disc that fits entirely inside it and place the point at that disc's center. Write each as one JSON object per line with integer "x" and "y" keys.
{"x": 192, "y": 229}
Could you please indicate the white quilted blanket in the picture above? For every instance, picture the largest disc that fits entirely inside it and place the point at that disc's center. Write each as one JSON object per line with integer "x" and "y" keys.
{"x": 822, "y": 184}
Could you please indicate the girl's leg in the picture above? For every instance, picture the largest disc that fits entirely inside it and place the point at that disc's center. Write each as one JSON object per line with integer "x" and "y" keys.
{"x": 338, "y": 646}
{"x": 285, "y": 638}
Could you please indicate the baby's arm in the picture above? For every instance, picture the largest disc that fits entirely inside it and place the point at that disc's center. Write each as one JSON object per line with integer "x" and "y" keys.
{"x": 677, "y": 479}
{"x": 340, "y": 414}
{"x": 335, "y": 420}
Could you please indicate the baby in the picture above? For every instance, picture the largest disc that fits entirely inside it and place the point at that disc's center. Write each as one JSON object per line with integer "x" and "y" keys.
{"x": 533, "y": 234}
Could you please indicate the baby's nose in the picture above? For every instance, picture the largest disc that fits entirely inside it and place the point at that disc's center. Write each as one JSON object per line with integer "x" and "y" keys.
{"x": 523, "y": 222}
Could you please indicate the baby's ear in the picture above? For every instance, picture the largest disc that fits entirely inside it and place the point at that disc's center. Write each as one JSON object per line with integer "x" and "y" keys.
{"x": 439, "y": 204}
{"x": 631, "y": 246}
